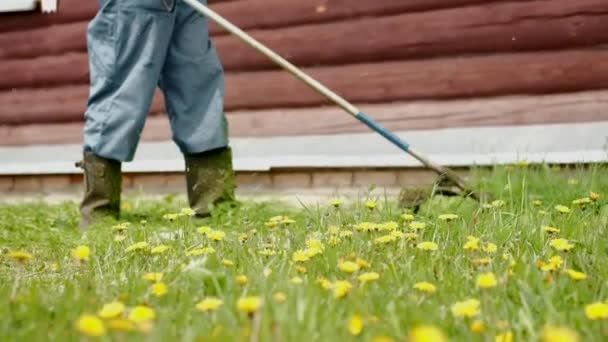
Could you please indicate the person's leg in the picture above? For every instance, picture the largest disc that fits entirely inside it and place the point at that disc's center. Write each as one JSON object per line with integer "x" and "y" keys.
{"x": 193, "y": 83}
{"x": 127, "y": 44}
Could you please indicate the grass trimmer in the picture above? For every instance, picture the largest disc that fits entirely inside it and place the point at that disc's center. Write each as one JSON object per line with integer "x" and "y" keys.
{"x": 448, "y": 179}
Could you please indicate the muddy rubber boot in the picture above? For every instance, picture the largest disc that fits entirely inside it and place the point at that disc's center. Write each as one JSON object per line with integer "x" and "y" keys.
{"x": 210, "y": 180}
{"x": 103, "y": 184}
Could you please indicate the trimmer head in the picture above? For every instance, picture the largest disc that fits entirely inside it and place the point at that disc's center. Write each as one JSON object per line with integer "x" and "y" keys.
{"x": 413, "y": 198}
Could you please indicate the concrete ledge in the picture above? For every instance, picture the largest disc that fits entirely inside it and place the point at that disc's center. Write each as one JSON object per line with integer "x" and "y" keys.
{"x": 458, "y": 147}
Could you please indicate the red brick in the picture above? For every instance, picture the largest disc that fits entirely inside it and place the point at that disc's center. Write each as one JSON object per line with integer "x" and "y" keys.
{"x": 6, "y": 183}
{"x": 377, "y": 178}
{"x": 292, "y": 180}
{"x": 27, "y": 184}
{"x": 54, "y": 183}
{"x": 253, "y": 180}
{"x": 334, "y": 179}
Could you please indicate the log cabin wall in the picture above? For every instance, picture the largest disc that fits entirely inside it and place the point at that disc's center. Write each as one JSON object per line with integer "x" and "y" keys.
{"x": 468, "y": 62}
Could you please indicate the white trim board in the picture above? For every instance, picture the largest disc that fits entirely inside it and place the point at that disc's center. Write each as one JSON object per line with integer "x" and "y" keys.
{"x": 558, "y": 143}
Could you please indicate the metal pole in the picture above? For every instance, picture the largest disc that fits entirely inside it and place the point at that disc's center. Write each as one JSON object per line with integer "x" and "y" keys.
{"x": 323, "y": 90}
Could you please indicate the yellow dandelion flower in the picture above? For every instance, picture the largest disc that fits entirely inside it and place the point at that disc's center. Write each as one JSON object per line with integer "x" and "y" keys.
{"x": 561, "y": 245}
{"x": 410, "y": 236}
{"x": 371, "y": 205}
{"x": 209, "y": 304}
{"x": 153, "y": 276}
{"x": 296, "y": 280}
{"x": 576, "y": 275}
{"x": 279, "y": 297}
{"x": 216, "y": 235}
{"x": 504, "y": 337}
{"x": 355, "y": 325}
{"x": 415, "y": 225}
{"x": 249, "y": 305}
{"x": 227, "y": 262}
{"x": 242, "y": 279}
{"x": 390, "y": 225}
{"x": 138, "y": 246}
{"x": 481, "y": 261}
{"x": 424, "y": 286}
{"x": 478, "y": 326}
{"x": 426, "y": 333}
{"x": 362, "y": 263}
{"x": 334, "y": 230}
{"x": 562, "y": 209}
{"x": 111, "y": 310}
{"x": 287, "y": 221}
{"x": 369, "y": 277}
{"x": 582, "y": 201}
{"x": 594, "y": 196}
{"x": 334, "y": 241}
{"x": 171, "y": 217}
{"x": 467, "y": 308}
{"x": 267, "y": 252}
{"x": 82, "y": 253}
{"x": 486, "y": 280}
{"x": 336, "y": 202}
{"x": 472, "y": 243}
{"x": 366, "y": 227}
{"x": 160, "y": 249}
{"x": 407, "y": 217}
{"x": 119, "y": 238}
{"x": 342, "y": 288}
{"x": 345, "y": 233}
{"x": 312, "y": 251}
{"x": 325, "y": 284}
{"x": 490, "y": 248}
{"x": 427, "y": 246}
{"x": 300, "y": 256}
{"x": 382, "y": 339}
{"x": 447, "y": 217}
{"x": 204, "y": 230}
{"x": 141, "y": 314}
{"x": 121, "y": 324}
{"x": 301, "y": 269}
{"x": 91, "y": 325}
{"x": 201, "y": 251}
{"x": 121, "y": 227}
{"x": 538, "y": 203}
{"x": 187, "y": 212}
{"x": 159, "y": 289}
{"x": 558, "y": 334}
{"x": 498, "y": 203}
{"x": 20, "y": 256}
{"x": 385, "y": 239}
{"x": 397, "y": 234}
{"x": 550, "y": 230}
{"x": 597, "y": 310}
{"x": 348, "y": 266}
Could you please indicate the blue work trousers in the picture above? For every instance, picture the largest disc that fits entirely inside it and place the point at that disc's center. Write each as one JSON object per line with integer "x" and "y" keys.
{"x": 135, "y": 46}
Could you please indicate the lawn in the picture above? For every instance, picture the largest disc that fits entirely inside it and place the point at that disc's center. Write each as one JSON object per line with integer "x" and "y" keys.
{"x": 531, "y": 265}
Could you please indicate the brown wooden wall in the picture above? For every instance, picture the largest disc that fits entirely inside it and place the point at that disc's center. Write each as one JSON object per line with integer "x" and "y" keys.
{"x": 370, "y": 51}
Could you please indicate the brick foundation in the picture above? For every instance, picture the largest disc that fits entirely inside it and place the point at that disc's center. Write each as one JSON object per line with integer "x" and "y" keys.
{"x": 278, "y": 180}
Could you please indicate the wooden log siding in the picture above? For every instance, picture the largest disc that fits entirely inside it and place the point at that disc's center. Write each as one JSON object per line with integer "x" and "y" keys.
{"x": 249, "y": 14}
{"x": 522, "y": 73}
{"x": 518, "y": 26}
{"x": 68, "y": 11}
{"x": 510, "y": 110}
{"x": 526, "y": 35}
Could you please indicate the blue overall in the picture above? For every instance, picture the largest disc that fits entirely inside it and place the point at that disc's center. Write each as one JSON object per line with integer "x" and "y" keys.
{"x": 135, "y": 46}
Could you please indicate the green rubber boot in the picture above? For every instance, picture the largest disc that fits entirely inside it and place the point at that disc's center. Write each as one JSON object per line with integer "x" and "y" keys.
{"x": 103, "y": 185}
{"x": 210, "y": 180}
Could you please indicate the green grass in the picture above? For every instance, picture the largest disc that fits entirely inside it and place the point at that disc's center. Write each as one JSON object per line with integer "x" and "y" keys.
{"x": 40, "y": 302}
